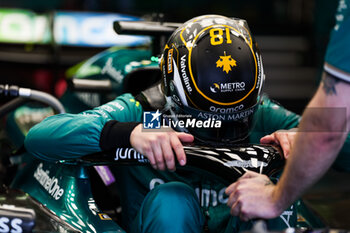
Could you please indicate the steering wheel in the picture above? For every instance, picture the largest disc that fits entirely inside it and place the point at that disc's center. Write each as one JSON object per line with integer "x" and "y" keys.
{"x": 225, "y": 162}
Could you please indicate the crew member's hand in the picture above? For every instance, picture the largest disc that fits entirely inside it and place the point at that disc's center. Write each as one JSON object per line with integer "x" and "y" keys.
{"x": 252, "y": 196}
{"x": 283, "y": 138}
{"x": 159, "y": 147}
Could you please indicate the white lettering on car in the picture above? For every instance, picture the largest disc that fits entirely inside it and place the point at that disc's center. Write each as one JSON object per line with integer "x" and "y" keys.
{"x": 15, "y": 225}
{"x": 50, "y": 184}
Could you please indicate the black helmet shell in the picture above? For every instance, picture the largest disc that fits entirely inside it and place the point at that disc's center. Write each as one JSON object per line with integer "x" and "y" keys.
{"x": 211, "y": 64}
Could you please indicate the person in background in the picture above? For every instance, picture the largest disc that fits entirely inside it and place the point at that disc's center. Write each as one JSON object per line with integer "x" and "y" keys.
{"x": 321, "y": 134}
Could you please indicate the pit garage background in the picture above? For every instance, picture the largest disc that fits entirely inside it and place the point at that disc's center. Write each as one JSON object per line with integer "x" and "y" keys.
{"x": 40, "y": 40}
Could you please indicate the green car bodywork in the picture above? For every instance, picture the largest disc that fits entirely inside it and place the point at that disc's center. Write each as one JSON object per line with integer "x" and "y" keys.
{"x": 65, "y": 189}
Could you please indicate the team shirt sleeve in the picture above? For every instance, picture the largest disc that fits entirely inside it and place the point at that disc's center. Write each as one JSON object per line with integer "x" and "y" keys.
{"x": 337, "y": 59}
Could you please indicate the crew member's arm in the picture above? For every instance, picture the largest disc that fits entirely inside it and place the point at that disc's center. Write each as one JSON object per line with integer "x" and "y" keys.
{"x": 322, "y": 132}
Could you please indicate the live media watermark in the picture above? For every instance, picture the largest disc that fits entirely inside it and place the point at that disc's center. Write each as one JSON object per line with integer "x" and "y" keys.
{"x": 157, "y": 121}
{"x": 323, "y": 120}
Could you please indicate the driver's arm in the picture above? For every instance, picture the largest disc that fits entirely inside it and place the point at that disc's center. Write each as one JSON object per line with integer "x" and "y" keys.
{"x": 69, "y": 136}
{"x": 112, "y": 125}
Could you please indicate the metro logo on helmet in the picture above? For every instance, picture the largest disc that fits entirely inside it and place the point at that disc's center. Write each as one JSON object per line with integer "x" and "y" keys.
{"x": 215, "y": 88}
{"x": 227, "y": 87}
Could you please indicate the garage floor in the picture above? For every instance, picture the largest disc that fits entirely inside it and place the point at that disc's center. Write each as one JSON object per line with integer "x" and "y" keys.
{"x": 330, "y": 198}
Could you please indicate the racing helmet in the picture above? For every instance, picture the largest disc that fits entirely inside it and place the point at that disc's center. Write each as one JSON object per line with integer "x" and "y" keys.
{"x": 212, "y": 73}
